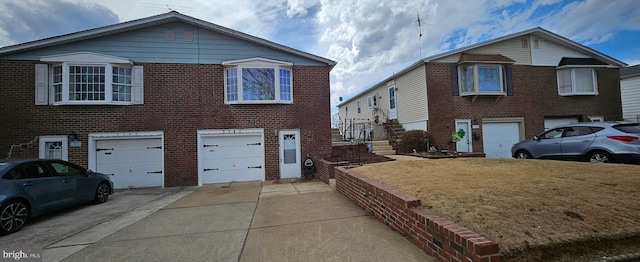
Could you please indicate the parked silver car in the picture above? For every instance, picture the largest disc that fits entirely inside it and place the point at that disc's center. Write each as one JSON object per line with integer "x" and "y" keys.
{"x": 33, "y": 187}
{"x": 600, "y": 142}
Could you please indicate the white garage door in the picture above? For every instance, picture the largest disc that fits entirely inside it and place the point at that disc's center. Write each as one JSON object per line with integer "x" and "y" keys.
{"x": 553, "y": 122}
{"x": 498, "y": 139}
{"x": 227, "y": 158}
{"x": 132, "y": 162}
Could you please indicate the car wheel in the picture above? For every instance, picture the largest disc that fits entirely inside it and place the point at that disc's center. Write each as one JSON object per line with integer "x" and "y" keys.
{"x": 523, "y": 155}
{"x": 13, "y": 215}
{"x": 102, "y": 193}
{"x": 599, "y": 157}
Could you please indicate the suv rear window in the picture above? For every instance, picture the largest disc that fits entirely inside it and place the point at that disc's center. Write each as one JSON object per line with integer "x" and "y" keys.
{"x": 628, "y": 128}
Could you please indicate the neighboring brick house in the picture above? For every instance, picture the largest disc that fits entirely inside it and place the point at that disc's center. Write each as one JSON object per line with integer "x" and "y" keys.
{"x": 498, "y": 92}
{"x": 168, "y": 100}
{"x": 630, "y": 92}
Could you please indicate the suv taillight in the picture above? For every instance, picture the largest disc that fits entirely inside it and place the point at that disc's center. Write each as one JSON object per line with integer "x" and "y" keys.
{"x": 624, "y": 138}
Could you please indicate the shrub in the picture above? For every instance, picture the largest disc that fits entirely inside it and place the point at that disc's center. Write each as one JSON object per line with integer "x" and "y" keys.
{"x": 415, "y": 139}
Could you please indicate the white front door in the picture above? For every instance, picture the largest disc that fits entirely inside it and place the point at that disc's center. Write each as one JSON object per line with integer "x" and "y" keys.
{"x": 463, "y": 129}
{"x": 393, "y": 110}
{"x": 290, "y": 154}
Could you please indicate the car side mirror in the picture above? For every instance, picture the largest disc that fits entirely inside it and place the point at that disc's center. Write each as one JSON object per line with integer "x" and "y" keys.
{"x": 536, "y": 138}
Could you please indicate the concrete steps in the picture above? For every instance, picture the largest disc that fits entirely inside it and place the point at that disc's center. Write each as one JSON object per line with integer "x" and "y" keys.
{"x": 382, "y": 147}
{"x": 396, "y": 127}
{"x": 335, "y": 135}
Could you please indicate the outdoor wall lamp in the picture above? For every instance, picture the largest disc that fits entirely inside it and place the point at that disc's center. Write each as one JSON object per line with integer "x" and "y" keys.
{"x": 73, "y": 136}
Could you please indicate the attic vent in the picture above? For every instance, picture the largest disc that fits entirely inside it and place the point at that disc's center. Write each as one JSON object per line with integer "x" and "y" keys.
{"x": 169, "y": 34}
{"x": 525, "y": 43}
{"x": 188, "y": 35}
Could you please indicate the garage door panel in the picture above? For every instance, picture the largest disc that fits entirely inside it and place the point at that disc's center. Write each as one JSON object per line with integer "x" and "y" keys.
{"x": 124, "y": 156}
{"x": 227, "y": 158}
{"x": 232, "y": 152}
{"x": 133, "y": 162}
{"x": 498, "y": 138}
{"x": 233, "y": 164}
{"x": 126, "y": 144}
{"x": 553, "y": 122}
{"x": 231, "y": 141}
{"x": 211, "y": 177}
{"x": 125, "y": 181}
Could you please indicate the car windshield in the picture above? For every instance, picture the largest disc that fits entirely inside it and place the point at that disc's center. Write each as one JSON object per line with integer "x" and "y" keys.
{"x": 628, "y": 128}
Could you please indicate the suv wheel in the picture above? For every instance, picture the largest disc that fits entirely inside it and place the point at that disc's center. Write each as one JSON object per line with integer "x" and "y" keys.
{"x": 599, "y": 157}
{"x": 523, "y": 155}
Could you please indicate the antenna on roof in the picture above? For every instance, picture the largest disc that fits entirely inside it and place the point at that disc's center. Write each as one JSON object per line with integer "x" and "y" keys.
{"x": 170, "y": 10}
{"x": 420, "y": 37}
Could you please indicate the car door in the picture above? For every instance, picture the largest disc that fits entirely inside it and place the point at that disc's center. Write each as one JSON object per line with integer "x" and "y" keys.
{"x": 36, "y": 180}
{"x": 576, "y": 140}
{"x": 547, "y": 145}
{"x": 76, "y": 186}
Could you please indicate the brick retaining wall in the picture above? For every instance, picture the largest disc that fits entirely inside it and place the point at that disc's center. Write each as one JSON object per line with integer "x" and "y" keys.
{"x": 325, "y": 170}
{"x": 439, "y": 237}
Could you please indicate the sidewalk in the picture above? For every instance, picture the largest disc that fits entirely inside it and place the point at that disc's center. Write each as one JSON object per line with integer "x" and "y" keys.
{"x": 253, "y": 221}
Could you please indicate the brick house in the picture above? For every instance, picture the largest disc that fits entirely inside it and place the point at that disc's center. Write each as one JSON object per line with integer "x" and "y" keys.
{"x": 498, "y": 92}
{"x": 168, "y": 100}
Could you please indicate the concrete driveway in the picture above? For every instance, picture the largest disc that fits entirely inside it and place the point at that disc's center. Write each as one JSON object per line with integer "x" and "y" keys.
{"x": 253, "y": 221}
{"x": 88, "y": 223}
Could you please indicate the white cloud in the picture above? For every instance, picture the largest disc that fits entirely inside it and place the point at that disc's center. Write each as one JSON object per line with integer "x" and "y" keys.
{"x": 299, "y": 7}
{"x": 28, "y": 20}
{"x": 593, "y": 22}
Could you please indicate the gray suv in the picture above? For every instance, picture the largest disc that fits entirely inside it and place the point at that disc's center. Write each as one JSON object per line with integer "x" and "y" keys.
{"x": 600, "y": 142}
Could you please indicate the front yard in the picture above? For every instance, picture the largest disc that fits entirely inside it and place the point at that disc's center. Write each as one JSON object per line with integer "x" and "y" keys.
{"x": 532, "y": 208}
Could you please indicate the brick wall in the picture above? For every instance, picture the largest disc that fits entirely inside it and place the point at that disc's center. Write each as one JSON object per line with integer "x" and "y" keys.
{"x": 439, "y": 237}
{"x": 325, "y": 170}
{"x": 179, "y": 100}
{"x": 535, "y": 96}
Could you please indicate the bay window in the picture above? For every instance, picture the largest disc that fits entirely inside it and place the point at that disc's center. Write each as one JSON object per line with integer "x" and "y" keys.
{"x": 481, "y": 79}
{"x": 258, "y": 80}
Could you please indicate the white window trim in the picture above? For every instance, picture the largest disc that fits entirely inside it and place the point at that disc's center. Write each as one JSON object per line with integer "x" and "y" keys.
{"x": 258, "y": 63}
{"x": 108, "y": 85}
{"x": 476, "y": 88}
{"x": 65, "y": 145}
{"x": 573, "y": 81}
{"x": 372, "y": 101}
{"x": 45, "y": 88}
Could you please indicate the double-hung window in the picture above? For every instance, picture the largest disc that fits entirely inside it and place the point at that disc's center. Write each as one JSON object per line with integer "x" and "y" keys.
{"x": 481, "y": 79}
{"x": 577, "y": 81}
{"x": 87, "y": 78}
{"x": 258, "y": 81}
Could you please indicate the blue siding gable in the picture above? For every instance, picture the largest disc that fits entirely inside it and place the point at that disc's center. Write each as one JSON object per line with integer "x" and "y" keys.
{"x": 150, "y": 45}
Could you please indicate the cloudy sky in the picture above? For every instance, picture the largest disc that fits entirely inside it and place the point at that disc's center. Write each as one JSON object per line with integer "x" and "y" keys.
{"x": 370, "y": 39}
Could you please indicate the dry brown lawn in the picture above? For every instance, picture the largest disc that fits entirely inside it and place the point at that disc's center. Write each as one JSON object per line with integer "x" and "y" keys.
{"x": 523, "y": 203}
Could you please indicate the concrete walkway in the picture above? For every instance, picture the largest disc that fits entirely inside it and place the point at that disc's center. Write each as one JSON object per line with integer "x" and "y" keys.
{"x": 253, "y": 221}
